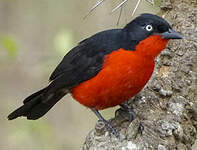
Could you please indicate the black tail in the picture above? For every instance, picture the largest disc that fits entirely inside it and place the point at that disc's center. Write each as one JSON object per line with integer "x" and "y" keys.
{"x": 37, "y": 104}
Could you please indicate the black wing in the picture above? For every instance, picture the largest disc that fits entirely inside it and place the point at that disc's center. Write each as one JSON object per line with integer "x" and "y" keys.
{"x": 86, "y": 59}
{"x": 80, "y": 64}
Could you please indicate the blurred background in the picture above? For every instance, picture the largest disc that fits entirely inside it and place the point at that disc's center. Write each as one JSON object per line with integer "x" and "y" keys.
{"x": 34, "y": 37}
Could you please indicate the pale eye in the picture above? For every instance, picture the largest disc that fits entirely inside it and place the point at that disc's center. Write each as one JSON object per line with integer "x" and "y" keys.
{"x": 149, "y": 27}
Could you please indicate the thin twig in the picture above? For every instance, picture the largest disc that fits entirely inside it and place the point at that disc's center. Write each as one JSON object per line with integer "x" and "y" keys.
{"x": 99, "y": 2}
{"x": 118, "y": 21}
{"x": 121, "y": 4}
{"x": 138, "y": 2}
{"x": 151, "y": 2}
{"x": 125, "y": 14}
{"x": 94, "y": 7}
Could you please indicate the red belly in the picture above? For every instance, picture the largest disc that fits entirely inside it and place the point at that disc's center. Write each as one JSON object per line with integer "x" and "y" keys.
{"x": 123, "y": 75}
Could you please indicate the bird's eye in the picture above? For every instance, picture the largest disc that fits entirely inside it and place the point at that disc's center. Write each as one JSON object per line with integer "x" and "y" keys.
{"x": 149, "y": 28}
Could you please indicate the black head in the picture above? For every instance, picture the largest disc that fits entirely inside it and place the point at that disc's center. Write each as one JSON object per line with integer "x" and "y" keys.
{"x": 148, "y": 24}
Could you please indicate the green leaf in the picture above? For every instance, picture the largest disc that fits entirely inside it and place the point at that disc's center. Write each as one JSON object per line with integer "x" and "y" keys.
{"x": 9, "y": 44}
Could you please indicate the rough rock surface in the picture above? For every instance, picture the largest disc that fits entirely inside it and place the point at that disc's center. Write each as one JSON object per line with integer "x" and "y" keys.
{"x": 167, "y": 107}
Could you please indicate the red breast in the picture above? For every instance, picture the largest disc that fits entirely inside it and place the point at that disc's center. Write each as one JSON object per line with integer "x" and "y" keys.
{"x": 123, "y": 75}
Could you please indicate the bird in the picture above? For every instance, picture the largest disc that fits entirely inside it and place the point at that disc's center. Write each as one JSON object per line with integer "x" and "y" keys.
{"x": 104, "y": 70}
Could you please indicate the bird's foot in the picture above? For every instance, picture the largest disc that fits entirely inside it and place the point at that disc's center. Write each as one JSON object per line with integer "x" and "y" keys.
{"x": 110, "y": 129}
{"x": 126, "y": 112}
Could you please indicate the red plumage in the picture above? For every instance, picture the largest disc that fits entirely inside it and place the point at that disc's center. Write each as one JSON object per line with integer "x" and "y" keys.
{"x": 122, "y": 76}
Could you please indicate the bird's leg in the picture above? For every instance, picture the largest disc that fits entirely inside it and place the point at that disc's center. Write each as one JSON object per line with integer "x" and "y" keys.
{"x": 107, "y": 124}
{"x": 126, "y": 112}
{"x": 130, "y": 115}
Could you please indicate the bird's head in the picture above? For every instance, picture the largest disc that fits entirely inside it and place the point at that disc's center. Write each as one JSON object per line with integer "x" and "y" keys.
{"x": 151, "y": 31}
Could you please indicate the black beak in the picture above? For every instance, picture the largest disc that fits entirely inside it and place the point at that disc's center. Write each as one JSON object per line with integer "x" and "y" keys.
{"x": 171, "y": 34}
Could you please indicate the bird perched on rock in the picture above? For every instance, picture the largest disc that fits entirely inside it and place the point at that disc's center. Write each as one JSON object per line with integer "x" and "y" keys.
{"x": 105, "y": 69}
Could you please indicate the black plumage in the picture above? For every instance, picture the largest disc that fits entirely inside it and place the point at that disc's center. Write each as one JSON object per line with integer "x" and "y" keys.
{"x": 85, "y": 60}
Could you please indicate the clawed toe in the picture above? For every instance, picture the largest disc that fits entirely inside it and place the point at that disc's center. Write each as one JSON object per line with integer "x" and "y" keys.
{"x": 112, "y": 130}
{"x": 141, "y": 128}
{"x": 126, "y": 112}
